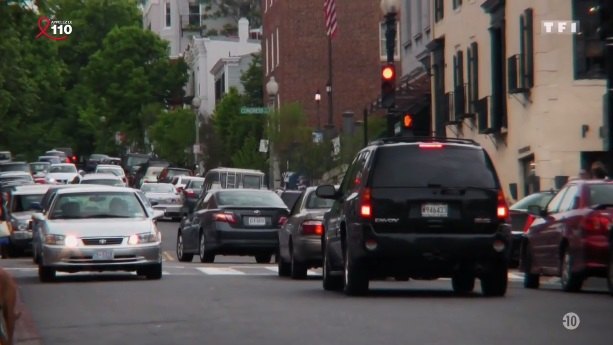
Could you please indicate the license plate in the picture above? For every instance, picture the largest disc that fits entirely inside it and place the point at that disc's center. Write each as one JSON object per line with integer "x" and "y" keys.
{"x": 103, "y": 255}
{"x": 434, "y": 210}
{"x": 256, "y": 221}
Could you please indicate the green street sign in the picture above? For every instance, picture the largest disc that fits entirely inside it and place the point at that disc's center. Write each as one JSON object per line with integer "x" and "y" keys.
{"x": 254, "y": 110}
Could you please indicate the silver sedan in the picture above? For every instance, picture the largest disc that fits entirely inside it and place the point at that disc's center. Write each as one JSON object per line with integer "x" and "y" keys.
{"x": 300, "y": 237}
{"x": 98, "y": 228}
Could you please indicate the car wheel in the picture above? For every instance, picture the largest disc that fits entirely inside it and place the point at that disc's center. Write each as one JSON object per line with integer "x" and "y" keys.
{"x": 46, "y": 274}
{"x": 570, "y": 281}
{"x": 494, "y": 282}
{"x": 263, "y": 258}
{"x": 531, "y": 280}
{"x": 463, "y": 282}
{"x": 298, "y": 269}
{"x": 330, "y": 282}
{"x": 355, "y": 279}
{"x": 152, "y": 272}
{"x": 181, "y": 255}
{"x": 283, "y": 268}
{"x": 205, "y": 255}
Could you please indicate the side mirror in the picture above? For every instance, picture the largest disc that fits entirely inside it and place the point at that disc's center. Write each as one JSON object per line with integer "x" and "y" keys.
{"x": 536, "y": 210}
{"x": 327, "y": 192}
{"x": 157, "y": 214}
{"x": 36, "y": 206}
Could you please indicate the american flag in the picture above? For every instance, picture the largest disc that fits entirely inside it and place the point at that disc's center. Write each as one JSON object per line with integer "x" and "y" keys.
{"x": 330, "y": 16}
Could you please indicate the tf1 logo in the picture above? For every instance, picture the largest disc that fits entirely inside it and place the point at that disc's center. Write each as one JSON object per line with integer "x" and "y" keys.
{"x": 60, "y": 29}
{"x": 560, "y": 26}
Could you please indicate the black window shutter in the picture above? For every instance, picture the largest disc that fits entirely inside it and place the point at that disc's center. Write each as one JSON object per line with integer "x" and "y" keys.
{"x": 529, "y": 48}
{"x": 460, "y": 68}
{"x": 474, "y": 48}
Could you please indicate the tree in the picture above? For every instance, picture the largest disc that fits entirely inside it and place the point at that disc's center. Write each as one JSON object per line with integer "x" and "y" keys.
{"x": 252, "y": 82}
{"x": 173, "y": 135}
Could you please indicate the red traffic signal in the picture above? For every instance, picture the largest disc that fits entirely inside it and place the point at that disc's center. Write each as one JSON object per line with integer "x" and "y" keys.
{"x": 388, "y": 85}
{"x": 388, "y": 72}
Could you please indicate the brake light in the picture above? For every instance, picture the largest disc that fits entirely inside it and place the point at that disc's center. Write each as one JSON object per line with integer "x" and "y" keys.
{"x": 312, "y": 227}
{"x": 529, "y": 220}
{"x": 502, "y": 210}
{"x": 189, "y": 193}
{"x": 74, "y": 159}
{"x": 595, "y": 222}
{"x": 365, "y": 204}
{"x": 282, "y": 220}
{"x": 68, "y": 160}
{"x": 225, "y": 218}
{"x": 430, "y": 146}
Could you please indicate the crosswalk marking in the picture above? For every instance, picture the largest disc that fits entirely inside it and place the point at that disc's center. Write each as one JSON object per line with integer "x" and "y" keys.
{"x": 312, "y": 273}
{"x": 216, "y": 271}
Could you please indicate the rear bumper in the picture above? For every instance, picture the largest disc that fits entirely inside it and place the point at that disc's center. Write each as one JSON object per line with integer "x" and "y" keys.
{"x": 82, "y": 259}
{"x": 308, "y": 249}
{"x": 170, "y": 210}
{"x": 21, "y": 239}
{"x": 428, "y": 255}
{"x": 245, "y": 242}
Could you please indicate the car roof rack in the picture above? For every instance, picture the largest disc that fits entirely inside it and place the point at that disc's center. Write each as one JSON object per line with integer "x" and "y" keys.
{"x": 388, "y": 140}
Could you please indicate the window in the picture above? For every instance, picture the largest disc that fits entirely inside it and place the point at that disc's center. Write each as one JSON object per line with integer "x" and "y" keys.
{"x": 194, "y": 15}
{"x": 266, "y": 55}
{"x": 167, "y": 13}
{"x": 277, "y": 46}
{"x": 458, "y": 83}
{"x": 589, "y": 48}
{"x": 272, "y": 51}
{"x": 418, "y": 17}
{"x": 472, "y": 54}
{"x": 383, "y": 40}
{"x": 438, "y": 10}
{"x": 457, "y": 3}
{"x": 498, "y": 114}
{"x": 601, "y": 194}
{"x": 554, "y": 204}
{"x": 409, "y": 20}
{"x": 426, "y": 15}
{"x": 568, "y": 202}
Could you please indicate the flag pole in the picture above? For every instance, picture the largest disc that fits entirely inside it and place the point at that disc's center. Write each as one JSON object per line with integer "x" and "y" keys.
{"x": 329, "y": 88}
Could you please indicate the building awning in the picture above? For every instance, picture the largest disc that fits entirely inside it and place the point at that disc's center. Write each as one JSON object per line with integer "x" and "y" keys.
{"x": 414, "y": 94}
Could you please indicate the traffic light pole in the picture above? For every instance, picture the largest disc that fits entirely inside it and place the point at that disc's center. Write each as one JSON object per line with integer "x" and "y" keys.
{"x": 390, "y": 44}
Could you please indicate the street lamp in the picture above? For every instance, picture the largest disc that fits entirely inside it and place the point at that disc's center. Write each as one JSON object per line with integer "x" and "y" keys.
{"x": 317, "y": 100}
{"x": 272, "y": 89}
{"x": 196, "y": 102}
{"x": 390, "y": 9}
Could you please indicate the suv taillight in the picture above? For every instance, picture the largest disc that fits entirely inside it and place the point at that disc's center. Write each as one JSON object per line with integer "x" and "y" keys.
{"x": 225, "y": 218}
{"x": 312, "y": 227}
{"x": 365, "y": 204}
{"x": 502, "y": 210}
{"x": 529, "y": 220}
{"x": 595, "y": 222}
{"x": 430, "y": 146}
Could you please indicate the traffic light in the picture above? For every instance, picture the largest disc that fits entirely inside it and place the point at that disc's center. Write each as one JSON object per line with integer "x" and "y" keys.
{"x": 407, "y": 121}
{"x": 388, "y": 86}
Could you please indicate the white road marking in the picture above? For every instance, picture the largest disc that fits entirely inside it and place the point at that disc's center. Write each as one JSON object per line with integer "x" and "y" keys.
{"x": 217, "y": 271}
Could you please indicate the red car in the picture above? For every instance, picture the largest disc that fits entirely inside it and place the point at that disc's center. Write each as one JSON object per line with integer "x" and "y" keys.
{"x": 569, "y": 238}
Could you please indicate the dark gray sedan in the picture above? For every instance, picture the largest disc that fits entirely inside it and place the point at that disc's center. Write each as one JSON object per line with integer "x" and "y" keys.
{"x": 232, "y": 222}
{"x": 300, "y": 237}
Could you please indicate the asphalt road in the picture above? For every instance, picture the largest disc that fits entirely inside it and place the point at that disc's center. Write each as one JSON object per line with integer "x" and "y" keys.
{"x": 236, "y": 301}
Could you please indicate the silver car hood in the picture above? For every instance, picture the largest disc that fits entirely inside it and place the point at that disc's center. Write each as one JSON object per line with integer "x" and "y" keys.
{"x": 25, "y": 215}
{"x": 161, "y": 195}
{"x": 100, "y": 227}
{"x": 62, "y": 176}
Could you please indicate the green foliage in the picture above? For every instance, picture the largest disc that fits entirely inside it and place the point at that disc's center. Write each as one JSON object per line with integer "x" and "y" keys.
{"x": 173, "y": 135}
{"x": 252, "y": 82}
{"x": 248, "y": 156}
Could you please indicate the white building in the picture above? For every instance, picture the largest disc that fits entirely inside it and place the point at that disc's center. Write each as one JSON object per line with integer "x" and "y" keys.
{"x": 227, "y": 73}
{"x": 202, "y": 54}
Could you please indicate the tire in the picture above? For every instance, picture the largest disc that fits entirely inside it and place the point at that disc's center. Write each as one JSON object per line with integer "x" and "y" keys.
{"x": 298, "y": 269}
{"x": 181, "y": 255}
{"x": 263, "y": 258}
{"x": 330, "y": 282}
{"x": 46, "y": 274}
{"x": 355, "y": 279}
{"x": 152, "y": 272}
{"x": 463, "y": 282}
{"x": 205, "y": 256}
{"x": 570, "y": 281}
{"x": 531, "y": 280}
{"x": 494, "y": 282}
{"x": 283, "y": 268}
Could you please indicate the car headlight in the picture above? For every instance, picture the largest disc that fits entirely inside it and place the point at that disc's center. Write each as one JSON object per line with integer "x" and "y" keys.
{"x": 145, "y": 237}
{"x": 62, "y": 240}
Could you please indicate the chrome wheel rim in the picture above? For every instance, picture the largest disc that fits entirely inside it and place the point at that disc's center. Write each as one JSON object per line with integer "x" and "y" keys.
{"x": 202, "y": 246}
{"x": 180, "y": 246}
{"x": 565, "y": 268}
{"x": 346, "y": 269}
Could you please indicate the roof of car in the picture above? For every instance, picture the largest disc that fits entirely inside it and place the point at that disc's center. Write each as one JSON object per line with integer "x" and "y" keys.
{"x": 238, "y": 190}
{"x": 97, "y": 176}
{"x": 392, "y": 141}
{"x": 595, "y": 181}
{"x": 14, "y": 173}
{"x": 31, "y": 189}
{"x": 109, "y": 166}
{"x": 47, "y": 163}
{"x": 63, "y": 164}
{"x": 96, "y": 188}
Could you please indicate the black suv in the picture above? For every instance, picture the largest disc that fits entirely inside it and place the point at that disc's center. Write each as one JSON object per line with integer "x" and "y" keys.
{"x": 420, "y": 208}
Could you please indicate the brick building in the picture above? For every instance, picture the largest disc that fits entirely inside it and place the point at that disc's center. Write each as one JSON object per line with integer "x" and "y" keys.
{"x": 295, "y": 52}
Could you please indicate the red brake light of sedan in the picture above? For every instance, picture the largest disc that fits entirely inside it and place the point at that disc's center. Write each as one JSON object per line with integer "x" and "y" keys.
{"x": 502, "y": 210}
{"x": 282, "y": 220}
{"x": 189, "y": 193}
{"x": 225, "y": 218}
{"x": 365, "y": 204}
{"x": 529, "y": 220}
{"x": 596, "y": 222}
{"x": 312, "y": 227}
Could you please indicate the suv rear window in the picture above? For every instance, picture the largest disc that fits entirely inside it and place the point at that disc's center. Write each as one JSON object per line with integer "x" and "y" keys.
{"x": 449, "y": 166}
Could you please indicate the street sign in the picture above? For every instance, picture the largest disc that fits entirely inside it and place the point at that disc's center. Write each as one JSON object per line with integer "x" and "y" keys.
{"x": 336, "y": 144}
{"x": 196, "y": 148}
{"x": 263, "y": 145}
{"x": 254, "y": 110}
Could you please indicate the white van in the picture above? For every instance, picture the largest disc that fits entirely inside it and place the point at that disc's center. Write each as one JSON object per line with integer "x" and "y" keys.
{"x": 5, "y": 157}
{"x": 228, "y": 178}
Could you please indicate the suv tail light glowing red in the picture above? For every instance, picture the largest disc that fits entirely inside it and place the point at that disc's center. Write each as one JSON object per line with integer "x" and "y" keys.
{"x": 529, "y": 220}
{"x": 312, "y": 227}
{"x": 225, "y": 218}
{"x": 430, "y": 146}
{"x": 596, "y": 222}
{"x": 502, "y": 211}
{"x": 365, "y": 204}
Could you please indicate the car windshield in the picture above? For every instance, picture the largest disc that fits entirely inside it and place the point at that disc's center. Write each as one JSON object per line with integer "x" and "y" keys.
{"x": 157, "y": 188}
{"x": 449, "y": 166}
{"x": 601, "y": 194}
{"x": 252, "y": 181}
{"x": 246, "y": 198}
{"x": 106, "y": 182}
{"x": 22, "y": 203}
{"x": 63, "y": 169}
{"x": 536, "y": 199}
{"x": 316, "y": 202}
{"x": 116, "y": 172}
{"x": 97, "y": 205}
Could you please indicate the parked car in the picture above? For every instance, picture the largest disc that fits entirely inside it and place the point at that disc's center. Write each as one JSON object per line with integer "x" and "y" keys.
{"x": 127, "y": 239}
{"x": 14, "y": 166}
{"x": 521, "y": 220}
{"x": 300, "y": 236}
{"x": 232, "y": 222}
{"x": 191, "y": 192}
{"x": 20, "y": 210}
{"x": 112, "y": 169}
{"x": 446, "y": 218}
{"x": 569, "y": 238}
{"x": 5, "y": 156}
{"x": 62, "y": 173}
{"x": 164, "y": 197}
{"x": 93, "y": 160}
{"x": 102, "y": 179}
{"x": 289, "y": 197}
{"x": 168, "y": 173}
